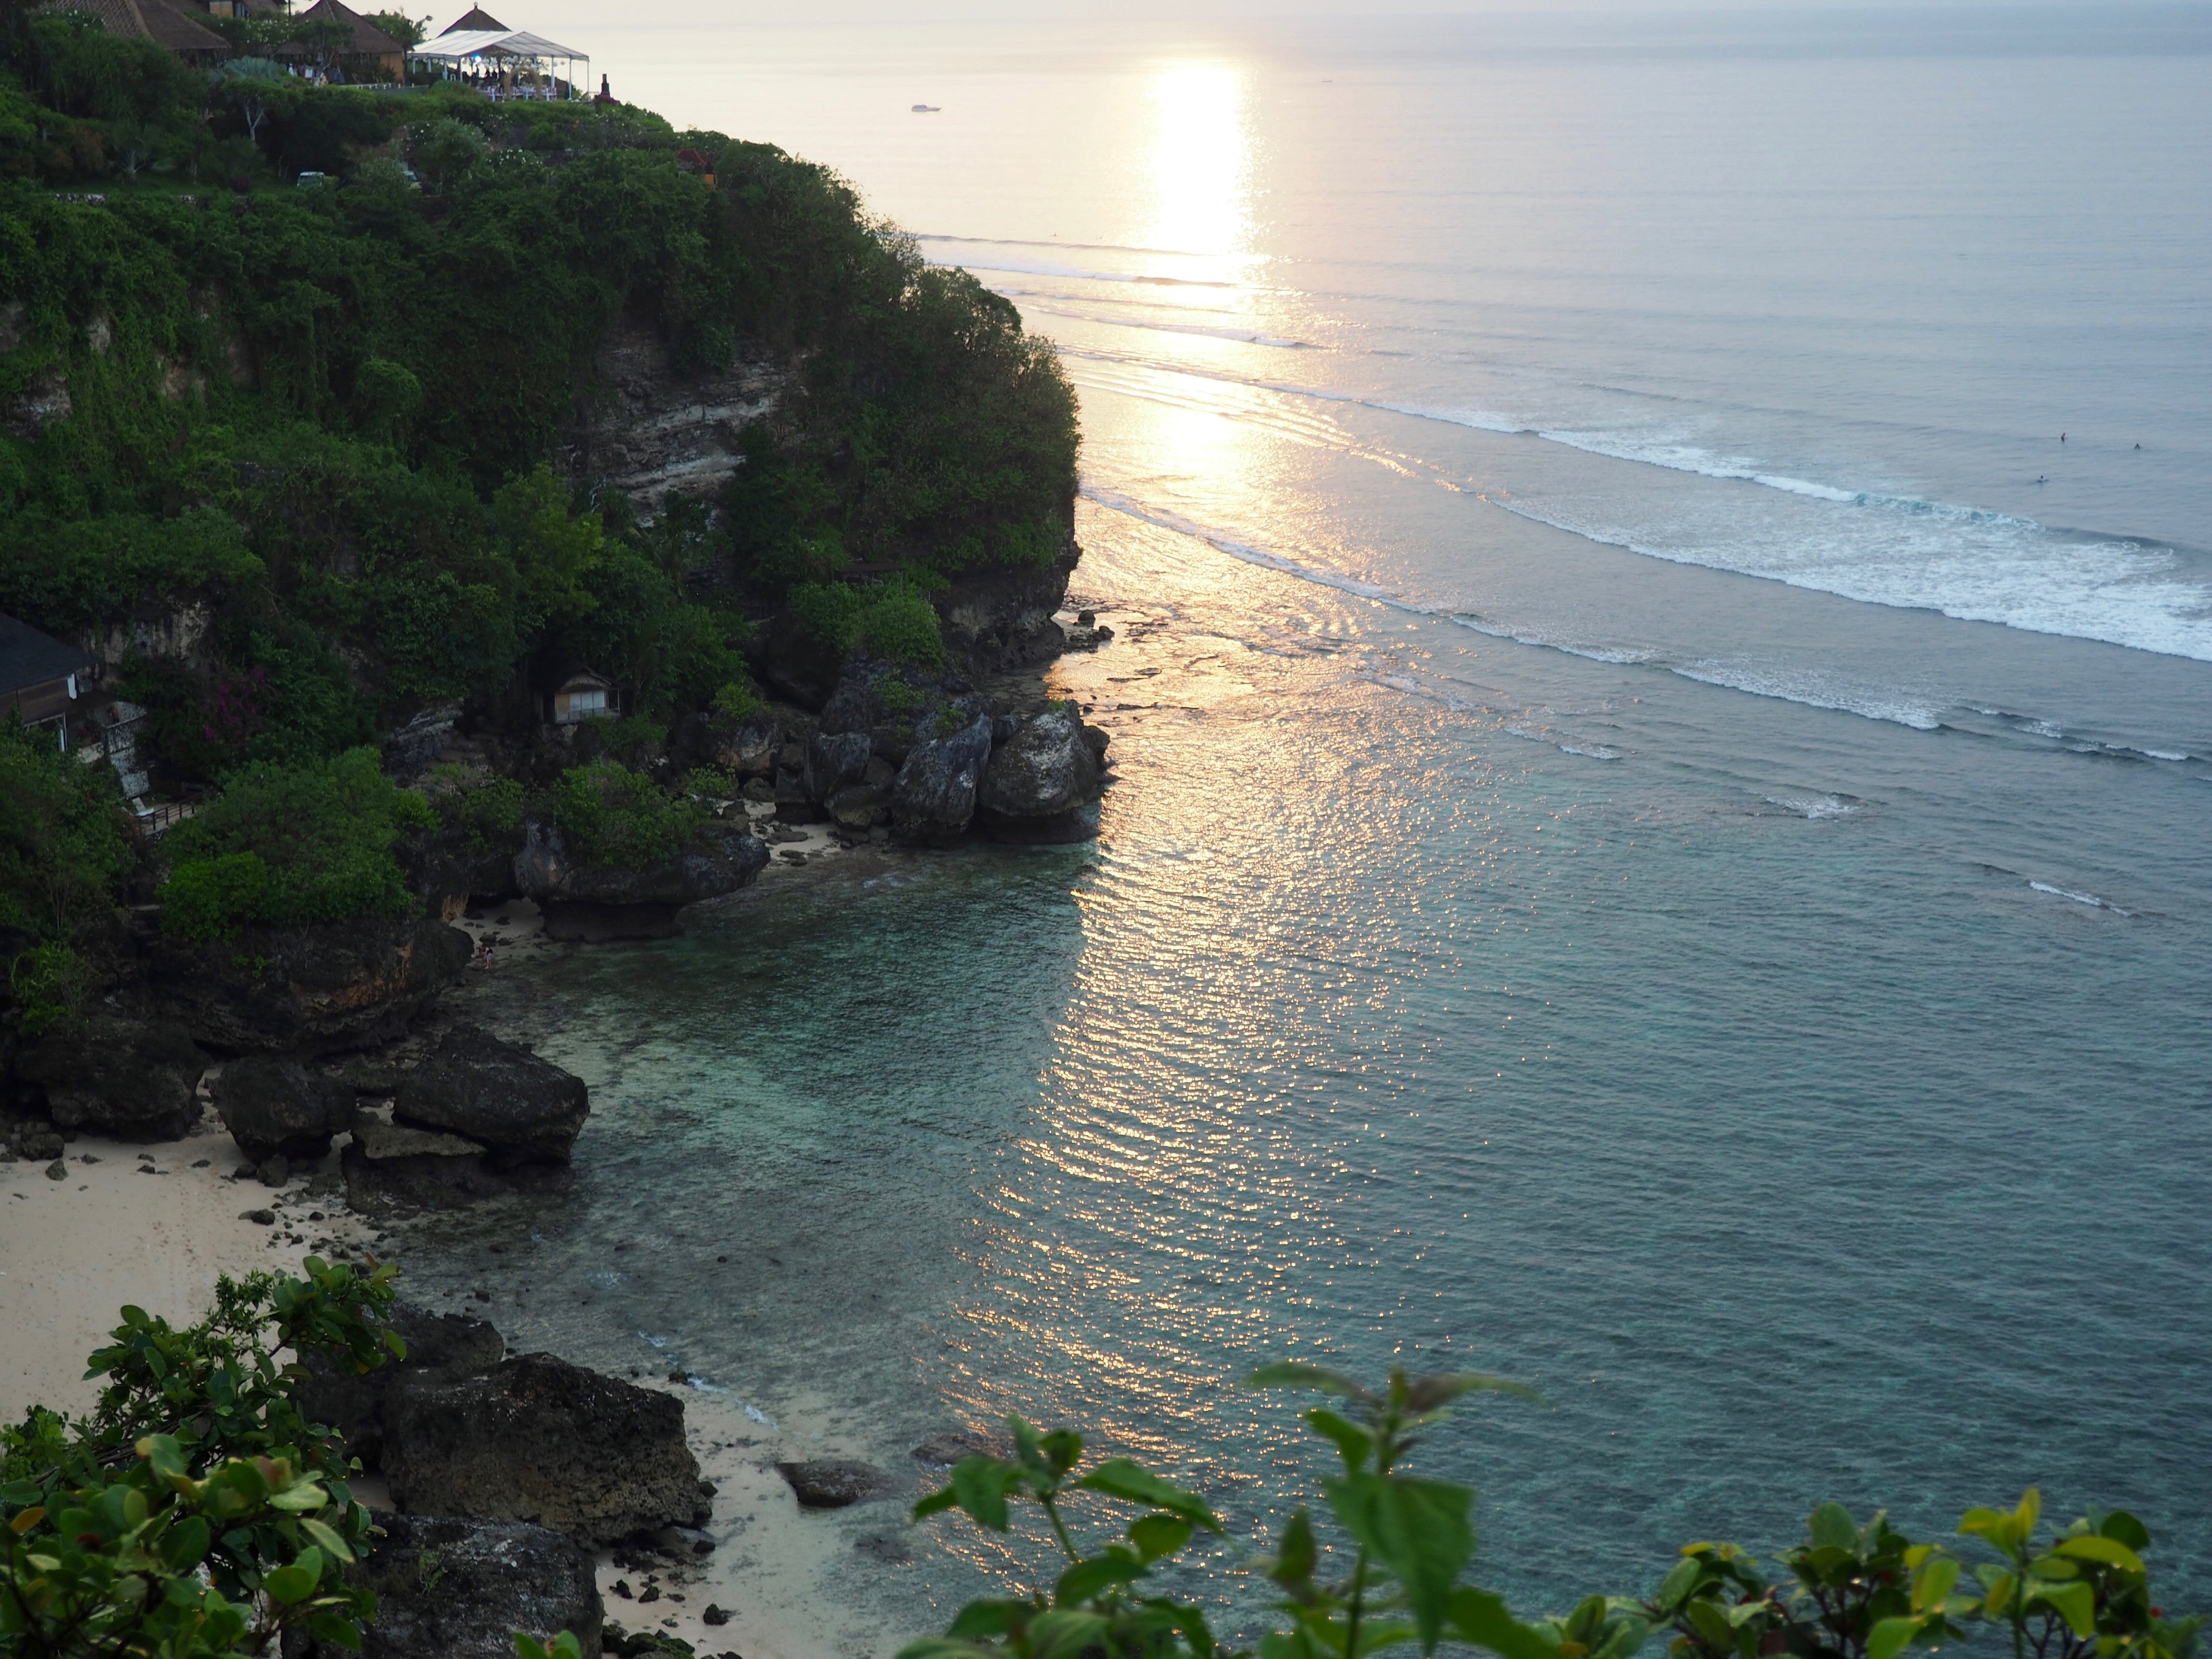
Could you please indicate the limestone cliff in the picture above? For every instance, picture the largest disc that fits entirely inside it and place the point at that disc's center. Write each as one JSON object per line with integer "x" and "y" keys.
{"x": 653, "y": 434}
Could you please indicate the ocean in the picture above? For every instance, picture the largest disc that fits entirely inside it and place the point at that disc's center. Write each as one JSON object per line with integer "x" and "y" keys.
{"x": 1660, "y": 845}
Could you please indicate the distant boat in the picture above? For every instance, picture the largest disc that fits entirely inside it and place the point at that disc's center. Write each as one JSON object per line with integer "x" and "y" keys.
{"x": 928, "y": 109}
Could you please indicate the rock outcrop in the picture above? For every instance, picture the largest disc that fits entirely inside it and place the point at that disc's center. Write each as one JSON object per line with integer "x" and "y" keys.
{"x": 583, "y": 899}
{"x": 276, "y": 1105}
{"x": 833, "y": 1483}
{"x": 453, "y": 1588}
{"x": 1043, "y": 769}
{"x": 538, "y": 1439}
{"x": 438, "y": 1345}
{"x": 935, "y": 797}
{"x": 997, "y": 620}
{"x": 834, "y": 761}
{"x": 654, "y": 434}
{"x": 133, "y": 1079}
{"x": 319, "y": 989}
{"x": 501, "y": 1097}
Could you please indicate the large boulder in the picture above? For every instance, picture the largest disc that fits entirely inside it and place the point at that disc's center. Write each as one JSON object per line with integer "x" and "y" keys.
{"x": 321, "y": 989}
{"x": 453, "y": 1589}
{"x": 276, "y": 1104}
{"x": 935, "y": 797}
{"x": 721, "y": 858}
{"x": 1044, "y": 768}
{"x": 496, "y": 1094}
{"x": 833, "y": 1483}
{"x": 835, "y": 761}
{"x": 438, "y": 1345}
{"x": 898, "y": 705}
{"x": 538, "y": 1439}
{"x": 133, "y": 1079}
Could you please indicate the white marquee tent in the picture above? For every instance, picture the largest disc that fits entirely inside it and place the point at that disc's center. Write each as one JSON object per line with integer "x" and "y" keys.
{"x": 501, "y": 51}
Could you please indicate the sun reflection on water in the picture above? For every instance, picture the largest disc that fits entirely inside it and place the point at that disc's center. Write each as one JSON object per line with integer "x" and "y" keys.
{"x": 1200, "y": 167}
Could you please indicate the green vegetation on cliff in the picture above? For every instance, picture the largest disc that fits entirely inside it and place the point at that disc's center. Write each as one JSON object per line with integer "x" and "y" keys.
{"x": 334, "y": 429}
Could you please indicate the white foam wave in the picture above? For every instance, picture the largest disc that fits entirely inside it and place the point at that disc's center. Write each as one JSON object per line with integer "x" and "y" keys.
{"x": 1815, "y": 691}
{"x": 1244, "y": 335}
{"x": 1163, "y": 518}
{"x": 1593, "y": 750}
{"x": 1078, "y": 274}
{"x": 1871, "y": 546}
{"x": 1814, "y": 807}
{"x": 2090, "y": 899}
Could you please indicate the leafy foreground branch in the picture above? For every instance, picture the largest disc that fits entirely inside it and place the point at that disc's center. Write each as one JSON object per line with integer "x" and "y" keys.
{"x": 195, "y": 1512}
{"x": 1850, "y": 1591}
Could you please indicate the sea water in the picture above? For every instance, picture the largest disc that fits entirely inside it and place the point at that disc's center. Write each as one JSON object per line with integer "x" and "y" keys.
{"x": 1660, "y": 838}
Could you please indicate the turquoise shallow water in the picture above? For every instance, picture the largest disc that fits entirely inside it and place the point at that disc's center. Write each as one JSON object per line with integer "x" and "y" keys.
{"x": 1649, "y": 855}
{"x": 1790, "y": 1141}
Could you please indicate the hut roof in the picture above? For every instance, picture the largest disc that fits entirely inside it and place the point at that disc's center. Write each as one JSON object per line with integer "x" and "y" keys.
{"x": 478, "y": 21}
{"x": 157, "y": 20}
{"x": 367, "y": 41}
{"x": 29, "y": 658}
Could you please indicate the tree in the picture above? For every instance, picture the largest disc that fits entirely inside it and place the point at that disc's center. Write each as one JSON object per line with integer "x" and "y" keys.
{"x": 257, "y": 89}
{"x": 409, "y": 32}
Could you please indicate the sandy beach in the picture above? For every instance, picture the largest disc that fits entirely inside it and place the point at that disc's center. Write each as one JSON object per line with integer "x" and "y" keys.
{"x": 151, "y": 1226}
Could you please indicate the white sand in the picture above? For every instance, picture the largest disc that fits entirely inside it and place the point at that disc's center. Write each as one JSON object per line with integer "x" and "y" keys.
{"x": 772, "y": 1569}
{"x": 73, "y": 1251}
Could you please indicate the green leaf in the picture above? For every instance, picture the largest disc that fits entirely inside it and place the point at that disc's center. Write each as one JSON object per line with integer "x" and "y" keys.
{"x": 1891, "y": 1637}
{"x": 297, "y": 1581}
{"x": 978, "y": 1485}
{"x": 1355, "y": 1444}
{"x": 1679, "y": 1581}
{"x": 1294, "y": 1562}
{"x": 327, "y": 1539}
{"x": 1831, "y": 1526}
{"x": 1419, "y": 1529}
{"x": 1931, "y": 1585}
{"x": 1294, "y": 1374}
{"x": 1063, "y": 1449}
{"x": 527, "y": 1646}
{"x": 1085, "y": 1578}
{"x": 1480, "y": 1618}
{"x": 186, "y": 1546}
{"x": 1159, "y": 1535}
{"x": 936, "y": 1503}
{"x": 2109, "y": 1551}
{"x": 988, "y": 1617}
{"x": 1191, "y": 1621}
{"x": 299, "y": 1500}
{"x": 1064, "y": 1633}
{"x": 1426, "y": 1394}
{"x": 1117, "y": 1477}
{"x": 2076, "y": 1603}
{"x": 2125, "y": 1528}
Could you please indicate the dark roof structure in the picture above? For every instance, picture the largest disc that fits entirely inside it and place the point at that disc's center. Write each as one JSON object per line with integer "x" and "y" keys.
{"x": 478, "y": 19}
{"x": 164, "y": 24}
{"x": 367, "y": 40}
{"x": 28, "y": 658}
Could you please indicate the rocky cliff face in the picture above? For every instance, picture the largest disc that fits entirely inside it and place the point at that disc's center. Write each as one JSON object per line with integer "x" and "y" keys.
{"x": 651, "y": 433}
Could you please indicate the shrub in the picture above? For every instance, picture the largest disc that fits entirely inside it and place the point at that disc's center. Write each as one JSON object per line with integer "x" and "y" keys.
{"x": 1854, "y": 1591}
{"x": 65, "y": 843}
{"x": 486, "y": 810}
{"x": 895, "y": 621}
{"x": 900, "y": 624}
{"x": 285, "y": 846}
{"x": 619, "y": 819}
{"x": 738, "y": 702}
{"x": 196, "y": 1513}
